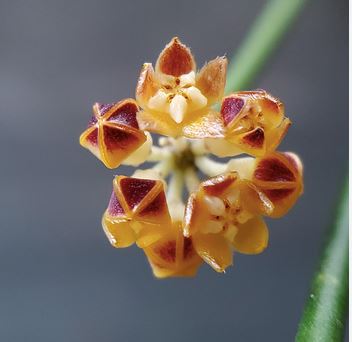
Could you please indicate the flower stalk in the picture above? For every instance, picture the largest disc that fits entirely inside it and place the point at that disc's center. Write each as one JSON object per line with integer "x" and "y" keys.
{"x": 326, "y": 307}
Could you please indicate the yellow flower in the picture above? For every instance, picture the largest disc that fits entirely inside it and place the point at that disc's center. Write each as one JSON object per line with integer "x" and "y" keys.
{"x": 138, "y": 212}
{"x": 174, "y": 96}
{"x": 113, "y": 135}
{"x": 224, "y": 215}
{"x": 254, "y": 123}
{"x": 225, "y": 212}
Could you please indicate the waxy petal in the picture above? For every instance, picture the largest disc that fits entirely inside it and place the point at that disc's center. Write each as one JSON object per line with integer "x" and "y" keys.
{"x": 141, "y": 154}
{"x": 173, "y": 255}
{"x": 143, "y": 199}
{"x": 176, "y": 59}
{"x": 211, "y": 79}
{"x": 119, "y": 233}
{"x": 279, "y": 177}
{"x": 252, "y": 237}
{"x": 214, "y": 250}
{"x": 147, "y": 85}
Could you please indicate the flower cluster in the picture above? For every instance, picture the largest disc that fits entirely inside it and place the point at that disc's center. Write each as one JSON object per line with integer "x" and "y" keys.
{"x": 222, "y": 213}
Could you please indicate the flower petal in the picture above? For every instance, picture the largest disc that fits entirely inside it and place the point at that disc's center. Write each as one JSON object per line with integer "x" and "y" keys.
{"x": 118, "y": 142}
{"x": 279, "y": 177}
{"x": 147, "y": 85}
{"x": 222, "y": 147}
{"x": 211, "y": 79}
{"x": 119, "y": 233}
{"x": 208, "y": 125}
{"x": 141, "y": 154}
{"x": 173, "y": 254}
{"x": 176, "y": 59}
{"x": 214, "y": 250}
{"x": 252, "y": 236}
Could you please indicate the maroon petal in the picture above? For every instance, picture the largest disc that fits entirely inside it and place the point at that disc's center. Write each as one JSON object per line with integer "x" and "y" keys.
{"x": 255, "y": 138}
{"x": 125, "y": 115}
{"x": 114, "y": 207}
{"x": 167, "y": 251}
{"x": 134, "y": 189}
{"x": 273, "y": 170}
{"x": 230, "y": 108}
{"x": 92, "y": 138}
{"x": 117, "y": 138}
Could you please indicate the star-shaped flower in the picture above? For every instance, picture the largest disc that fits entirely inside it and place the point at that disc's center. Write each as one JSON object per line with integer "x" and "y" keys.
{"x": 113, "y": 134}
{"x": 174, "y": 95}
{"x": 254, "y": 123}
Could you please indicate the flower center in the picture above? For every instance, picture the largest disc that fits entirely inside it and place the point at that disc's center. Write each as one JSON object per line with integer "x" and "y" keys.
{"x": 226, "y": 214}
{"x": 177, "y": 96}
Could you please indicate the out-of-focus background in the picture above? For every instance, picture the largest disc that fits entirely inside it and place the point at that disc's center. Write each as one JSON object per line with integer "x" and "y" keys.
{"x": 60, "y": 279}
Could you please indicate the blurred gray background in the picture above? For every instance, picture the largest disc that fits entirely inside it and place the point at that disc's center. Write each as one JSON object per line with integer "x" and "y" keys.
{"x": 60, "y": 279}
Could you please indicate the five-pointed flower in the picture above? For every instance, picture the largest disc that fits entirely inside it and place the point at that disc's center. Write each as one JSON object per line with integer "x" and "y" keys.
{"x": 113, "y": 134}
{"x": 254, "y": 123}
{"x": 138, "y": 212}
{"x": 174, "y": 96}
{"x": 225, "y": 212}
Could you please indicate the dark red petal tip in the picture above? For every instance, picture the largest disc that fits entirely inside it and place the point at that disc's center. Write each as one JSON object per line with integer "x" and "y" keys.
{"x": 273, "y": 170}
{"x": 134, "y": 190}
{"x": 125, "y": 115}
{"x": 255, "y": 138}
{"x": 114, "y": 207}
{"x": 230, "y": 108}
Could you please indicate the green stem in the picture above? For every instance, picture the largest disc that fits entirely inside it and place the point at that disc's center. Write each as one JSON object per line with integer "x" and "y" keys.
{"x": 266, "y": 33}
{"x": 326, "y": 307}
{"x": 325, "y": 311}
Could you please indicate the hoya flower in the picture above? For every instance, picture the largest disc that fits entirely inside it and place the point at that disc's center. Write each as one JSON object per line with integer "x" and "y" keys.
{"x": 113, "y": 134}
{"x": 278, "y": 175}
{"x": 174, "y": 95}
{"x": 224, "y": 214}
{"x": 254, "y": 123}
{"x": 227, "y": 201}
{"x": 138, "y": 212}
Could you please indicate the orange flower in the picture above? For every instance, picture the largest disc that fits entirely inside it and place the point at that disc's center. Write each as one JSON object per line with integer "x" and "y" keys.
{"x": 224, "y": 215}
{"x": 278, "y": 175}
{"x": 138, "y": 212}
{"x": 173, "y": 96}
{"x": 113, "y": 134}
{"x": 254, "y": 123}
